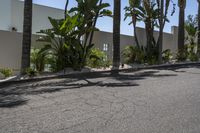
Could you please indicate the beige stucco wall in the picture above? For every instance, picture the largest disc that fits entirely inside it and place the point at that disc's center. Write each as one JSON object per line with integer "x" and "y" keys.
{"x": 11, "y": 49}
{"x": 169, "y": 40}
{"x": 11, "y": 15}
{"x": 102, "y": 37}
{"x": 11, "y": 44}
{"x": 5, "y": 14}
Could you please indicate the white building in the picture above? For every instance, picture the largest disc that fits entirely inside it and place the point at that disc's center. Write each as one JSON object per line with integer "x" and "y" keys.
{"x": 11, "y": 17}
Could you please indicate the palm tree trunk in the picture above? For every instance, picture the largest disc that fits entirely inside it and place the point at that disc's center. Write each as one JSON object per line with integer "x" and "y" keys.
{"x": 27, "y": 32}
{"x": 198, "y": 27}
{"x": 94, "y": 24}
{"x": 135, "y": 32}
{"x": 160, "y": 39}
{"x": 116, "y": 35}
{"x": 181, "y": 28}
{"x": 66, "y": 5}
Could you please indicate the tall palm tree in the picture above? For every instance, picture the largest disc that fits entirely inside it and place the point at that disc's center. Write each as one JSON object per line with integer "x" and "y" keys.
{"x": 198, "y": 27}
{"x": 66, "y": 6}
{"x": 161, "y": 21}
{"x": 133, "y": 11}
{"x": 181, "y": 29}
{"x": 27, "y": 32}
{"x": 116, "y": 35}
{"x": 163, "y": 6}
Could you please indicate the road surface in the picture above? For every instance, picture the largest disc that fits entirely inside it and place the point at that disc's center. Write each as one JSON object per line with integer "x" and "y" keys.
{"x": 147, "y": 101}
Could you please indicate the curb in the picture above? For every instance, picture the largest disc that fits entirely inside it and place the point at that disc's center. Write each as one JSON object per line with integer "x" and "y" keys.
{"x": 85, "y": 74}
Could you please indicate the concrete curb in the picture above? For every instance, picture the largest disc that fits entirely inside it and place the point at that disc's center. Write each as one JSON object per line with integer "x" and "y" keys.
{"x": 85, "y": 74}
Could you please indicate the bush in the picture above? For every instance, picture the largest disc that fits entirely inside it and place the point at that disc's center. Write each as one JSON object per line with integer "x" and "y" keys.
{"x": 167, "y": 55}
{"x": 97, "y": 59}
{"x": 31, "y": 72}
{"x": 182, "y": 55}
{"x": 192, "y": 52}
{"x": 106, "y": 64}
{"x": 51, "y": 63}
{"x": 38, "y": 59}
{"x": 193, "y": 57}
{"x": 132, "y": 54}
{"x": 6, "y": 72}
{"x": 189, "y": 52}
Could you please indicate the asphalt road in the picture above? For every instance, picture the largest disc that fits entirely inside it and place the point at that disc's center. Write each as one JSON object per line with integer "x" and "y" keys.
{"x": 148, "y": 101}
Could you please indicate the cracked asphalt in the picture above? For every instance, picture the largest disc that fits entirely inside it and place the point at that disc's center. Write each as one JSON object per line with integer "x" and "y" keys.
{"x": 147, "y": 101}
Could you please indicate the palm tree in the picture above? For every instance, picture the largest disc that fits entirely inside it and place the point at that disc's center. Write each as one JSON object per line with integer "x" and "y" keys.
{"x": 163, "y": 6}
{"x": 116, "y": 35}
{"x": 27, "y": 32}
{"x": 66, "y": 5}
{"x": 161, "y": 21}
{"x": 181, "y": 29}
{"x": 134, "y": 11}
{"x": 198, "y": 27}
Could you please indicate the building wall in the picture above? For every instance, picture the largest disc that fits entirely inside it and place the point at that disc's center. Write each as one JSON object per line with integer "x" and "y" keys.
{"x": 14, "y": 10}
{"x": 5, "y": 14}
{"x": 11, "y": 49}
{"x": 169, "y": 40}
{"x": 11, "y": 42}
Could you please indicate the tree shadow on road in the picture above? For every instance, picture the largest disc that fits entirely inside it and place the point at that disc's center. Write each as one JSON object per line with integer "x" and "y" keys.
{"x": 13, "y": 95}
{"x": 180, "y": 69}
{"x": 9, "y": 101}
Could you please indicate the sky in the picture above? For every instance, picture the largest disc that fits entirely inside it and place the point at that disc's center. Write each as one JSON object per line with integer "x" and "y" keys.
{"x": 105, "y": 23}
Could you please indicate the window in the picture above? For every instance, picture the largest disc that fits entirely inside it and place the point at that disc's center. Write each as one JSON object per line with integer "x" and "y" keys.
{"x": 82, "y": 39}
{"x": 105, "y": 47}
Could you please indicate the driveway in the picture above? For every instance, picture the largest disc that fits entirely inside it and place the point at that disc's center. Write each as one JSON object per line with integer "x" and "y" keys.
{"x": 147, "y": 101}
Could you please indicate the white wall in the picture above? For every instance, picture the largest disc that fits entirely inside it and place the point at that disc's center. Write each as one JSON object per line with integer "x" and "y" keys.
{"x": 11, "y": 15}
{"x": 5, "y": 14}
{"x": 170, "y": 40}
{"x": 10, "y": 49}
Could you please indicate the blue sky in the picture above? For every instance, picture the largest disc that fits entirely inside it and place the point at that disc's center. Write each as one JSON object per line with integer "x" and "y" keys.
{"x": 105, "y": 23}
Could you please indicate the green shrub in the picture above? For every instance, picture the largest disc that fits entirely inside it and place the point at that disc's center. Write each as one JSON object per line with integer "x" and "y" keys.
{"x": 97, "y": 59}
{"x": 38, "y": 59}
{"x": 31, "y": 72}
{"x": 132, "y": 54}
{"x": 182, "y": 55}
{"x": 192, "y": 53}
{"x": 167, "y": 55}
{"x": 193, "y": 57}
{"x": 106, "y": 64}
{"x": 6, "y": 72}
{"x": 189, "y": 52}
{"x": 151, "y": 57}
{"x": 51, "y": 63}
